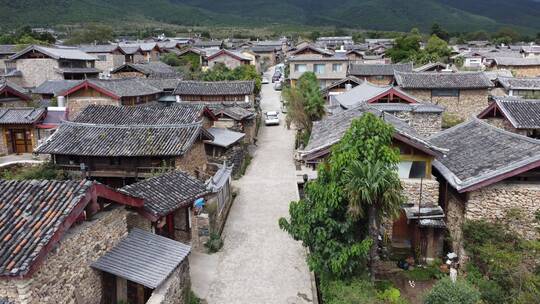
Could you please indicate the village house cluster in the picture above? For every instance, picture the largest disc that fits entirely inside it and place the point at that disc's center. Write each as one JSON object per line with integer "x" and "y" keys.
{"x": 467, "y": 136}
{"x": 151, "y": 156}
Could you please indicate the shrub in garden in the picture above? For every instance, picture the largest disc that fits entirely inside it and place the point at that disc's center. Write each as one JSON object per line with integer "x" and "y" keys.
{"x": 447, "y": 292}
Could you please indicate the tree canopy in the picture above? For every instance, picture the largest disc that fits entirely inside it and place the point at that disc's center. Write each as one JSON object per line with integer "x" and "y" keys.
{"x": 244, "y": 72}
{"x": 338, "y": 239}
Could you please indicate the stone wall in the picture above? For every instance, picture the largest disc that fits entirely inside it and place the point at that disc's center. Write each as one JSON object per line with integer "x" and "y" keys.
{"x": 193, "y": 160}
{"x": 75, "y": 105}
{"x": 455, "y": 218}
{"x": 9, "y": 289}
{"x": 4, "y": 150}
{"x": 429, "y": 195}
{"x": 175, "y": 289}
{"x": 469, "y": 103}
{"x": 511, "y": 204}
{"x": 504, "y": 124}
{"x": 227, "y": 60}
{"x": 66, "y": 276}
{"x": 36, "y": 71}
{"x": 200, "y": 231}
{"x": 426, "y": 124}
{"x": 523, "y": 71}
{"x": 120, "y": 75}
{"x": 380, "y": 80}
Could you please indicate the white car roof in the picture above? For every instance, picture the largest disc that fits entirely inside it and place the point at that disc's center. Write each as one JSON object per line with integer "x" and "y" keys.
{"x": 272, "y": 113}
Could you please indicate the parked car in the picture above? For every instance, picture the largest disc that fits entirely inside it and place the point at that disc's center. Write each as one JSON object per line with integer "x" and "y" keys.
{"x": 278, "y": 86}
{"x": 277, "y": 76}
{"x": 271, "y": 118}
{"x": 265, "y": 80}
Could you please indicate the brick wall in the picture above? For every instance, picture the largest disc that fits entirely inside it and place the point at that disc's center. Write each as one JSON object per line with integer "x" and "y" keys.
{"x": 36, "y": 71}
{"x": 384, "y": 80}
{"x": 469, "y": 102}
{"x": 193, "y": 160}
{"x": 120, "y": 75}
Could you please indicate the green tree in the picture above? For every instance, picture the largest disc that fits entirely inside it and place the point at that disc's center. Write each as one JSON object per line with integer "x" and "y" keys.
{"x": 438, "y": 31}
{"x": 447, "y": 292}
{"x": 171, "y": 59}
{"x": 221, "y": 72}
{"x": 436, "y": 50}
{"x": 374, "y": 186}
{"x": 305, "y": 104}
{"x": 406, "y": 47}
{"x": 314, "y": 35}
{"x": 338, "y": 238}
{"x": 93, "y": 33}
{"x": 506, "y": 35}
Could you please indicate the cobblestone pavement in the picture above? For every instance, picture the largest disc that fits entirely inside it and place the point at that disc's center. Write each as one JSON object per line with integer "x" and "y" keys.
{"x": 259, "y": 263}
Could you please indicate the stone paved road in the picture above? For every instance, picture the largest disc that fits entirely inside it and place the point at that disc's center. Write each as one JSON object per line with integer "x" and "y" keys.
{"x": 259, "y": 263}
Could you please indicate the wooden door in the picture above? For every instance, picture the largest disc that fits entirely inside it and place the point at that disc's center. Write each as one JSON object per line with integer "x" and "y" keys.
{"x": 400, "y": 230}
{"x": 21, "y": 141}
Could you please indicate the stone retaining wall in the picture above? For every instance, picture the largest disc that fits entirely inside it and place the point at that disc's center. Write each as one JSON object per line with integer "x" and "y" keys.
{"x": 426, "y": 124}
{"x": 193, "y": 160}
{"x": 514, "y": 205}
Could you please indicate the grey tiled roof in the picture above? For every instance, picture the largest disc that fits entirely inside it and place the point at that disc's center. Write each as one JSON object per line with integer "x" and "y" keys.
{"x": 156, "y": 114}
{"x": 522, "y": 113}
{"x": 23, "y": 116}
{"x": 56, "y": 53}
{"x": 234, "y": 112}
{"x": 98, "y": 48}
{"x": 122, "y": 141}
{"x": 511, "y": 83}
{"x": 165, "y": 193}
{"x": 459, "y": 80}
{"x": 405, "y": 107}
{"x": 54, "y": 87}
{"x": 78, "y": 70}
{"x": 240, "y": 87}
{"x": 156, "y": 69}
{"x": 126, "y": 87}
{"x": 164, "y": 84}
{"x": 224, "y": 137}
{"x": 347, "y": 79}
{"x": 144, "y": 258}
{"x": 265, "y": 48}
{"x": 330, "y": 130}
{"x": 8, "y": 49}
{"x": 360, "y": 70}
{"x": 479, "y": 152}
{"x": 4, "y": 84}
{"x": 31, "y": 212}
{"x": 510, "y": 61}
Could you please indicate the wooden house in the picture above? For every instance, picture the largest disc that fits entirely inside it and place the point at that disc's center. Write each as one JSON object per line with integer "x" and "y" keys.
{"x": 412, "y": 230}
{"x": 20, "y": 129}
{"x": 119, "y": 145}
{"x": 514, "y": 114}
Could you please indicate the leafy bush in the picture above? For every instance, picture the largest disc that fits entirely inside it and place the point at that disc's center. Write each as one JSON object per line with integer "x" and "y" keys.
{"x": 359, "y": 289}
{"x": 214, "y": 243}
{"x": 503, "y": 267}
{"x": 446, "y": 292}
{"x": 41, "y": 171}
{"x": 192, "y": 298}
{"x": 449, "y": 120}
{"x": 424, "y": 273}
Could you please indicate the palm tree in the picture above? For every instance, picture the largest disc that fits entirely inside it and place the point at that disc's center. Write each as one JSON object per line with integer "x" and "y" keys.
{"x": 374, "y": 186}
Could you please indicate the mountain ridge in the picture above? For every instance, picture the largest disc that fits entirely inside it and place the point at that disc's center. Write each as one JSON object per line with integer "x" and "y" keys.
{"x": 455, "y": 15}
